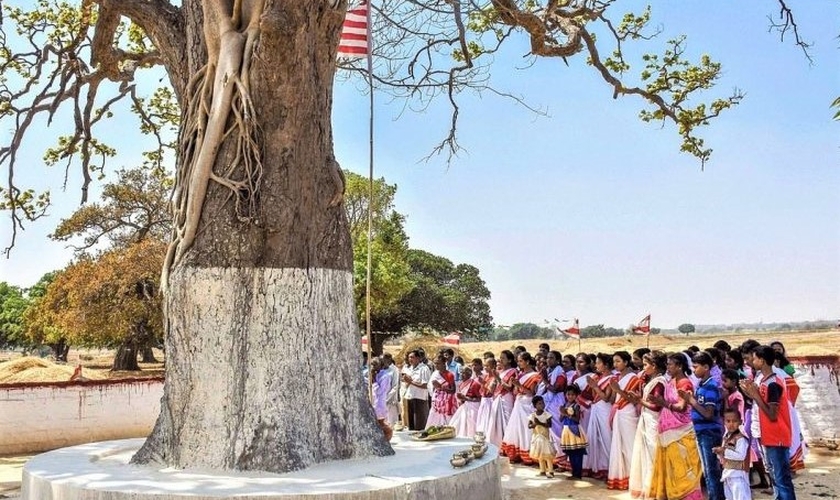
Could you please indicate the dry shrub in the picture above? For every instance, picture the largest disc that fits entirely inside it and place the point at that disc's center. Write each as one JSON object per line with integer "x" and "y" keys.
{"x": 428, "y": 343}
{"x": 11, "y": 368}
{"x": 38, "y": 370}
{"x": 618, "y": 343}
{"x": 809, "y": 350}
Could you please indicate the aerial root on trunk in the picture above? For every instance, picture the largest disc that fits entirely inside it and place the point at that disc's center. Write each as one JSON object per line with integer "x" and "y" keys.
{"x": 219, "y": 111}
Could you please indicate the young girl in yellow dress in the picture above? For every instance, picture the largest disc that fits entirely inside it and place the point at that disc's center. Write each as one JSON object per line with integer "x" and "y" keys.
{"x": 573, "y": 439}
{"x": 541, "y": 448}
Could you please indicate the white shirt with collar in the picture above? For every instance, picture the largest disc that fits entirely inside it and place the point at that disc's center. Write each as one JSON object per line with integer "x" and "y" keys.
{"x": 419, "y": 374}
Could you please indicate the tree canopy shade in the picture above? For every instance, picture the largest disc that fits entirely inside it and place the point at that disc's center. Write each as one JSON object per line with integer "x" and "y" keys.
{"x": 258, "y": 272}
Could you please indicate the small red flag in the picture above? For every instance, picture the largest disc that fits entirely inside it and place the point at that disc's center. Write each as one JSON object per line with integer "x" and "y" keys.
{"x": 643, "y": 328}
{"x": 453, "y": 338}
{"x": 573, "y": 331}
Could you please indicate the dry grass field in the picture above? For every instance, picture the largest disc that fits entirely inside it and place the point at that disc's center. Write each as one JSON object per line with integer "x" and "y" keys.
{"x": 96, "y": 364}
{"x": 797, "y": 343}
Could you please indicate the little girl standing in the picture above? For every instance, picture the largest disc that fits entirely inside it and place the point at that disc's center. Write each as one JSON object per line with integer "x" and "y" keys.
{"x": 541, "y": 448}
{"x": 573, "y": 439}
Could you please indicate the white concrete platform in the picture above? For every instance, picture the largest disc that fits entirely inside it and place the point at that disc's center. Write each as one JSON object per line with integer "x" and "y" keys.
{"x": 418, "y": 471}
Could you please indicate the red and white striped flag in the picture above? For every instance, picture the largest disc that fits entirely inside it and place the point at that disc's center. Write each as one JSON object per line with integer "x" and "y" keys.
{"x": 643, "y": 328}
{"x": 355, "y": 33}
{"x": 453, "y": 338}
{"x": 573, "y": 331}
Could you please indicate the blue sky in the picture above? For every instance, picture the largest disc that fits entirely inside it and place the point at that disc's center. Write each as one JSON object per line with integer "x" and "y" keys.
{"x": 591, "y": 213}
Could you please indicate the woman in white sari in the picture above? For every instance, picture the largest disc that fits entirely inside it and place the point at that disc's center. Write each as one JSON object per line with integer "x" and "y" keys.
{"x": 468, "y": 396}
{"x": 647, "y": 432}
{"x": 502, "y": 399}
{"x": 552, "y": 389}
{"x": 579, "y": 377}
{"x": 488, "y": 387}
{"x": 625, "y": 419}
{"x": 516, "y": 443}
{"x": 598, "y": 431}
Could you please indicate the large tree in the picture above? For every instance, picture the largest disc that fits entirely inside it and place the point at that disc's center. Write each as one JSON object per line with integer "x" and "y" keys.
{"x": 110, "y": 300}
{"x": 258, "y": 275}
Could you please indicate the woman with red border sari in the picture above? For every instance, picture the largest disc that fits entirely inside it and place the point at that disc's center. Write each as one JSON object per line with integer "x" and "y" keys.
{"x": 502, "y": 398}
{"x": 516, "y": 443}
{"x": 598, "y": 431}
{"x": 626, "y": 386}
{"x": 469, "y": 397}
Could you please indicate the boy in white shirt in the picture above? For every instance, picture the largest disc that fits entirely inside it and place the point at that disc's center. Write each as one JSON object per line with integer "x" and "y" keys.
{"x": 734, "y": 455}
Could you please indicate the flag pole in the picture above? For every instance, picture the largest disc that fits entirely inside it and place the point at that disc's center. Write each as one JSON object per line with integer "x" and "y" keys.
{"x": 370, "y": 208}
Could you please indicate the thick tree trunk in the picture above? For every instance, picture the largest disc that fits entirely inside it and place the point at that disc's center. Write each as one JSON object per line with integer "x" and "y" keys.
{"x": 60, "y": 350}
{"x": 126, "y": 358}
{"x": 262, "y": 343}
{"x": 148, "y": 355}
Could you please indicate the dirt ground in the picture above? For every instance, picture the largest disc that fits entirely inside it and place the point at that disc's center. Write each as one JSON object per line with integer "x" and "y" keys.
{"x": 820, "y": 480}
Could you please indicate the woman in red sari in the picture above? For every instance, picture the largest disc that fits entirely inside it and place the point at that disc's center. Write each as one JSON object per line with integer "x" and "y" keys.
{"x": 442, "y": 388}
{"x": 468, "y": 397}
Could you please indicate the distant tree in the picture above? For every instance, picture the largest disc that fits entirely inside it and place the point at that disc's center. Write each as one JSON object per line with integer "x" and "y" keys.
{"x": 40, "y": 327}
{"x": 108, "y": 301}
{"x": 12, "y": 306}
{"x": 499, "y": 333}
{"x": 686, "y": 328}
{"x": 523, "y": 331}
{"x": 133, "y": 208}
{"x": 445, "y": 298}
{"x": 390, "y": 271}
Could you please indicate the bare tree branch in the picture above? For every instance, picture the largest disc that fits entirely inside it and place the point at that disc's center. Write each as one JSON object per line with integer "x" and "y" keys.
{"x": 787, "y": 24}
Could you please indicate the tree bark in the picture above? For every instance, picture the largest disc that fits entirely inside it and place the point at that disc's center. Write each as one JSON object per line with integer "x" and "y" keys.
{"x": 148, "y": 355}
{"x": 60, "y": 350}
{"x": 262, "y": 342}
{"x": 126, "y": 358}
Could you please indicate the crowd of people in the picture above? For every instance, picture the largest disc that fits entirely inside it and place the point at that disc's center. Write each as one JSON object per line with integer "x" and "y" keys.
{"x": 661, "y": 425}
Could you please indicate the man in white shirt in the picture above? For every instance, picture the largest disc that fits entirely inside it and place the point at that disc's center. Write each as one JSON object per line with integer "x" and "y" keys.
{"x": 416, "y": 376}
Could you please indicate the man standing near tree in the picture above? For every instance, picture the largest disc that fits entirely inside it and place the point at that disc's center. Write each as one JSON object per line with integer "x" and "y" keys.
{"x": 452, "y": 365}
{"x": 416, "y": 376}
{"x": 393, "y": 395}
{"x": 768, "y": 393}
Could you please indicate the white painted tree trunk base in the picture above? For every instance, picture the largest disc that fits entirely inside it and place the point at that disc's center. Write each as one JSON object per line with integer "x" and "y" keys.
{"x": 263, "y": 372}
{"x": 417, "y": 471}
